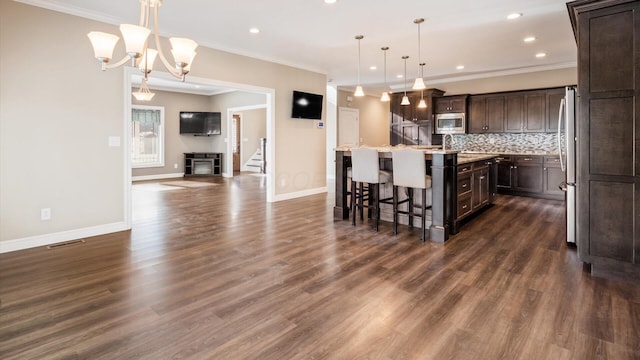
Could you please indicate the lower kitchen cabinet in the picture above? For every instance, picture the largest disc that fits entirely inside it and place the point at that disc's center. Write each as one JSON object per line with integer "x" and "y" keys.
{"x": 552, "y": 176}
{"x": 530, "y": 175}
{"x": 475, "y": 188}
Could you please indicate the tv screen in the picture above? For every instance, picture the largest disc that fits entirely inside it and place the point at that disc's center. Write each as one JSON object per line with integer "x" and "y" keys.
{"x": 200, "y": 123}
{"x": 306, "y": 106}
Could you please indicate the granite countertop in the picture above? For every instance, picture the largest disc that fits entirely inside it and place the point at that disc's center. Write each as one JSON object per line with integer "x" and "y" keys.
{"x": 538, "y": 153}
{"x": 427, "y": 149}
{"x": 470, "y": 158}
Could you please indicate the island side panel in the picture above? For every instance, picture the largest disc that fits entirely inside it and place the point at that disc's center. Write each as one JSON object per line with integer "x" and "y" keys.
{"x": 443, "y": 196}
{"x": 341, "y": 208}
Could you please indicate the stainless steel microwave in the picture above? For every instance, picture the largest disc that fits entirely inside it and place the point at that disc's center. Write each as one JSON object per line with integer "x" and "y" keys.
{"x": 450, "y": 123}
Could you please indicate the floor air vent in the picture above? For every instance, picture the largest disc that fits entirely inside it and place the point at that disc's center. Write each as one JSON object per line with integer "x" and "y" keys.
{"x": 64, "y": 244}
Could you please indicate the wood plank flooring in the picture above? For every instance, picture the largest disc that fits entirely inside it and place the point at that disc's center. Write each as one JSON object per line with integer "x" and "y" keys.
{"x": 216, "y": 273}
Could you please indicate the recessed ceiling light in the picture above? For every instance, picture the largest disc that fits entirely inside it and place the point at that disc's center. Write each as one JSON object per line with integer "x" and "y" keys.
{"x": 254, "y": 30}
{"x": 541, "y": 55}
{"x": 373, "y": 67}
{"x": 530, "y": 39}
{"x": 460, "y": 67}
{"x": 329, "y": 1}
{"x": 399, "y": 76}
{"x": 514, "y": 16}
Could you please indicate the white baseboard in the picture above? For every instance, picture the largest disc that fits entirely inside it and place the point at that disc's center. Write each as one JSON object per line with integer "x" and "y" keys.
{"x": 299, "y": 194}
{"x": 245, "y": 168}
{"x": 157, "y": 177}
{"x": 48, "y": 239}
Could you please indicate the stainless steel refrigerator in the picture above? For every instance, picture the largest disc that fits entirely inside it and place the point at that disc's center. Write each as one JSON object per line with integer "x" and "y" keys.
{"x": 568, "y": 157}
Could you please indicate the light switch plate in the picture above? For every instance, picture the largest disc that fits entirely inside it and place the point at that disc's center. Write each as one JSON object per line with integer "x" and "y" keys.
{"x": 114, "y": 141}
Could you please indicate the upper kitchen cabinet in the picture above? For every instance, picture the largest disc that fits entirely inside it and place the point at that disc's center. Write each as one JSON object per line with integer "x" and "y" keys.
{"x": 608, "y": 192}
{"x": 486, "y": 114}
{"x": 410, "y": 124}
{"x": 554, "y": 97}
{"x": 451, "y": 104}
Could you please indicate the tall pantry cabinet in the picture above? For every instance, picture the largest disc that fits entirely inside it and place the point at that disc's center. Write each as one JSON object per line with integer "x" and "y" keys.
{"x": 608, "y": 130}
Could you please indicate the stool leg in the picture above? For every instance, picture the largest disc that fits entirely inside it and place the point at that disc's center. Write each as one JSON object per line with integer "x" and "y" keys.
{"x": 424, "y": 211}
{"x": 376, "y": 205}
{"x": 354, "y": 208}
{"x": 361, "y": 202}
{"x": 410, "y": 209}
{"x": 395, "y": 210}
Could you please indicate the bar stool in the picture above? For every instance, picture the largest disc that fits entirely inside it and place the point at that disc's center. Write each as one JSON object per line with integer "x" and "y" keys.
{"x": 365, "y": 168}
{"x": 409, "y": 171}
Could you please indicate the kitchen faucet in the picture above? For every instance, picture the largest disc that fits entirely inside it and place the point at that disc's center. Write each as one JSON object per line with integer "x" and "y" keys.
{"x": 444, "y": 141}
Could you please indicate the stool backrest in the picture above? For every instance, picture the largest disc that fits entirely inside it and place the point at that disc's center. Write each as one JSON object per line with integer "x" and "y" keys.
{"x": 409, "y": 168}
{"x": 365, "y": 166}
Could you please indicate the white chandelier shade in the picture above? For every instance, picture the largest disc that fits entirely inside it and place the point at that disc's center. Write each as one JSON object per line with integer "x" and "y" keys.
{"x": 136, "y": 39}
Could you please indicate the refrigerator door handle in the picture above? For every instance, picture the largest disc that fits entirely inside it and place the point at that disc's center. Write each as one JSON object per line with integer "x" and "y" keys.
{"x": 560, "y": 112}
{"x": 563, "y": 186}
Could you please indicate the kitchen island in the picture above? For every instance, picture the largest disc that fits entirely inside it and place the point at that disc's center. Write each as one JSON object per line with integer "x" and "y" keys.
{"x": 461, "y": 184}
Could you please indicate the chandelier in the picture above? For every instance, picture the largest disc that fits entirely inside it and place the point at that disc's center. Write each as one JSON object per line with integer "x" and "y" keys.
{"x": 137, "y": 47}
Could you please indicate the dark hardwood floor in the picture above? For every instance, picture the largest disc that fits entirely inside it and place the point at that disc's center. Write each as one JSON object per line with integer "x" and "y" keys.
{"x": 214, "y": 272}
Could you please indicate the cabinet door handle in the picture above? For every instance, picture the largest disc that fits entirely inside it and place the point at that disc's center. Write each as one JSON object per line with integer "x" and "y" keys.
{"x": 464, "y": 206}
{"x": 464, "y": 185}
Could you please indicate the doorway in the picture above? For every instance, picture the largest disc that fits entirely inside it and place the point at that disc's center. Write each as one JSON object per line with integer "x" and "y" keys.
{"x": 348, "y": 126}
{"x": 235, "y": 136}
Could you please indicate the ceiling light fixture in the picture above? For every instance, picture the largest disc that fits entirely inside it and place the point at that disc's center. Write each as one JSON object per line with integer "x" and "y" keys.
{"x": 405, "y": 99}
{"x": 254, "y": 30}
{"x": 143, "y": 93}
{"x": 422, "y": 104}
{"x": 541, "y": 55}
{"x": 385, "y": 93}
{"x": 329, "y": 1}
{"x": 460, "y": 67}
{"x": 530, "y": 39}
{"x": 136, "y": 44}
{"x": 419, "y": 83}
{"x": 373, "y": 67}
{"x": 513, "y": 16}
{"x": 359, "y": 91}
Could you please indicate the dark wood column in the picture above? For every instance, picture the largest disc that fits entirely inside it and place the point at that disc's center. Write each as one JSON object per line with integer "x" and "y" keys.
{"x": 443, "y": 179}
{"x": 341, "y": 209}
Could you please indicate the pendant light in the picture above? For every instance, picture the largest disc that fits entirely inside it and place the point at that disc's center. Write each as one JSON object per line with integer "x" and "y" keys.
{"x": 405, "y": 98}
{"x": 385, "y": 93}
{"x": 359, "y": 91}
{"x": 419, "y": 83}
{"x": 422, "y": 104}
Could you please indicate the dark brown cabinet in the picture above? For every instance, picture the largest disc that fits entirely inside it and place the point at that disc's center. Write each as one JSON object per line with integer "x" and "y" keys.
{"x": 451, "y": 104}
{"x": 535, "y": 111}
{"x": 553, "y": 176}
{"x": 410, "y": 125}
{"x": 475, "y": 188}
{"x": 608, "y": 200}
{"x": 554, "y": 97}
{"x": 515, "y": 112}
{"x": 530, "y": 175}
{"x": 486, "y": 114}
{"x": 505, "y": 172}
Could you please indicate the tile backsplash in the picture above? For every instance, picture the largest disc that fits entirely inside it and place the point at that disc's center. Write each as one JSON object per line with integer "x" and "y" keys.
{"x": 506, "y": 143}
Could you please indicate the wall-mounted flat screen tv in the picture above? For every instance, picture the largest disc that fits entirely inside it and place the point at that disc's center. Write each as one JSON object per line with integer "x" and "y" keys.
{"x": 200, "y": 123}
{"x": 306, "y": 106}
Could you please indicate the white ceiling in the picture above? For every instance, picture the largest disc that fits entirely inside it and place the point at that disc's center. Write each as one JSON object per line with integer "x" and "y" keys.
{"x": 317, "y": 36}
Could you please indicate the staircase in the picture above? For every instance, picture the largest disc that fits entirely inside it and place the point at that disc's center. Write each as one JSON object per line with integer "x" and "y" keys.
{"x": 255, "y": 163}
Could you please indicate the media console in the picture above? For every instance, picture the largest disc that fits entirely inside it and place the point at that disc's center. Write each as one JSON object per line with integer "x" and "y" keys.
{"x": 202, "y": 164}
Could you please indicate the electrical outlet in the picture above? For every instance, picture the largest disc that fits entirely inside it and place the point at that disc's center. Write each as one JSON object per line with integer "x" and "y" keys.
{"x": 175, "y": 166}
{"x": 45, "y": 214}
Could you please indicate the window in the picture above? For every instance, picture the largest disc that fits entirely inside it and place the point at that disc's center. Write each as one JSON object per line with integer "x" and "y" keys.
{"x": 147, "y": 136}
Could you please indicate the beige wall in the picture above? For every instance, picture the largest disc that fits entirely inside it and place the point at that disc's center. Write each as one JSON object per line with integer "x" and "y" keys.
{"x": 58, "y": 110}
{"x": 254, "y": 127}
{"x": 374, "y": 117}
{"x": 175, "y": 145}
